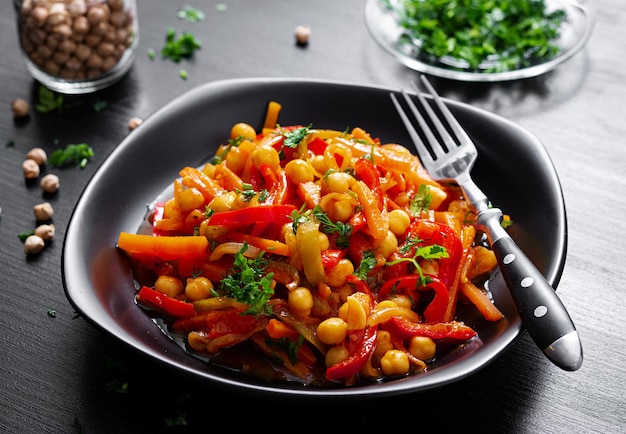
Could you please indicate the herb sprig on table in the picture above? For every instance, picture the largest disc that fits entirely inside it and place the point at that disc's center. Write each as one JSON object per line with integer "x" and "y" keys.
{"x": 508, "y": 33}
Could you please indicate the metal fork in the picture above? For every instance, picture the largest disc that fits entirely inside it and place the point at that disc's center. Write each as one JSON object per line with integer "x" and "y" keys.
{"x": 451, "y": 159}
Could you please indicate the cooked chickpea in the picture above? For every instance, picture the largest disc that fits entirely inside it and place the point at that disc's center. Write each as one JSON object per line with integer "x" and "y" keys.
{"x": 394, "y": 362}
{"x": 399, "y": 221}
{"x": 338, "y": 275}
{"x": 299, "y": 171}
{"x": 43, "y": 211}
{"x": 168, "y": 285}
{"x": 224, "y": 202}
{"x": 45, "y": 232}
{"x": 337, "y": 182}
{"x": 190, "y": 199}
{"x": 242, "y": 130}
{"x": 387, "y": 245}
{"x": 236, "y": 159}
{"x": 335, "y": 355}
{"x": 383, "y": 343}
{"x": 422, "y": 347}
{"x": 198, "y": 288}
{"x": 20, "y": 108}
{"x": 50, "y": 183}
{"x": 300, "y": 301}
{"x": 332, "y": 331}
{"x": 340, "y": 210}
{"x": 33, "y": 244}
{"x": 323, "y": 241}
{"x": 265, "y": 155}
{"x": 30, "y": 168}
{"x": 37, "y": 154}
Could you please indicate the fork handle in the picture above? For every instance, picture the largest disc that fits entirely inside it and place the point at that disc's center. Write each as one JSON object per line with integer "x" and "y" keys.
{"x": 541, "y": 310}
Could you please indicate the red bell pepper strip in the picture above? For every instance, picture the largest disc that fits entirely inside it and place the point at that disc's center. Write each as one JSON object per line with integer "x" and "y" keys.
{"x": 279, "y": 214}
{"x": 317, "y": 146}
{"x": 331, "y": 257}
{"x": 453, "y": 331}
{"x": 360, "y": 351}
{"x": 365, "y": 170}
{"x": 410, "y": 285}
{"x": 170, "y": 306}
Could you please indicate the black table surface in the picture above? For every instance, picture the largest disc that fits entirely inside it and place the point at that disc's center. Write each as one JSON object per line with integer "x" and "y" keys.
{"x": 58, "y": 374}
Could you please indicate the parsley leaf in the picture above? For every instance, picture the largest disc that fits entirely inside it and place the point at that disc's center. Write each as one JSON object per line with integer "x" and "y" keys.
{"x": 434, "y": 251}
{"x": 368, "y": 262}
{"x": 327, "y": 226}
{"x": 177, "y": 48}
{"x": 48, "y": 100}
{"x": 294, "y": 137}
{"x": 190, "y": 14}
{"x": 248, "y": 283}
{"x": 421, "y": 201}
{"x": 72, "y": 155}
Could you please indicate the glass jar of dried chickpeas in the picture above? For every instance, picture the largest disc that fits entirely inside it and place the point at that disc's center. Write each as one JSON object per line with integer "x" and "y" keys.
{"x": 77, "y": 46}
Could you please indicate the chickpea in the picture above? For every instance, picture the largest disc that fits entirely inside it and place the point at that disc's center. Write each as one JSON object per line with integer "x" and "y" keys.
{"x": 20, "y": 108}
{"x": 332, "y": 331}
{"x": 134, "y": 123}
{"x": 190, "y": 199}
{"x": 33, "y": 244}
{"x": 243, "y": 130}
{"x": 198, "y": 288}
{"x": 43, "y": 211}
{"x": 323, "y": 241}
{"x": 338, "y": 275}
{"x": 394, "y": 362}
{"x": 298, "y": 171}
{"x": 300, "y": 301}
{"x": 383, "y": 343}
{"x": 337, "y": 182}
{"x": 45, "y": 232}
{"x": 265, "y": 155}
{"x": 30, "y": 168}
{"x": 340, "y": 210}
{"x": 224, "y": 202}
{"x": 387, "y": 245}
{"x": 422, "y": 347}
{"x": 335, "y": 355}
{"x": 302, "y": 34}
{"x": 168, "y": 285}
{"x": 399, "y": 221}
{"x": 50, "y": 183}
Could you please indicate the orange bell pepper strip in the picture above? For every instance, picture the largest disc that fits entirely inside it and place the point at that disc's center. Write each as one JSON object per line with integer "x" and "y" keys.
{"x": 271, "y": 246}
{"x": 209, "y": 187}
{"x": 164, "y": 247}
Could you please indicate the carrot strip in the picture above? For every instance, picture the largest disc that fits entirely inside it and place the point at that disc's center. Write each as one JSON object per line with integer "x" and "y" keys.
{"x": 164, "y": 247}
{"x": 278, "y": 330}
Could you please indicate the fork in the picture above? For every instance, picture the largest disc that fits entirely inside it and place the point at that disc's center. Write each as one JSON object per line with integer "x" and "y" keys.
{"x": 451, "y": 157}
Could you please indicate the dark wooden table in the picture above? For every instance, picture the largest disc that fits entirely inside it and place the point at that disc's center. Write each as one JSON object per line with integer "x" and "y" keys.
{"x": 60, "y": 375}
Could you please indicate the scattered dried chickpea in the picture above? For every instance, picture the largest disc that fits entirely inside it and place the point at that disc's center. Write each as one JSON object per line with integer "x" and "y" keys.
{"x": 45, "y": 231}
{"x": 33, "y": 244}
{"x": 43, "y": 211}
{"x": 20, "y": 108}
{"x": 39, "y": 155}
{"x": 302, "y": 34}
{"x": 134, "y": 123}
{"x": 50, "y": 183}
{"x": 30, "y": 168}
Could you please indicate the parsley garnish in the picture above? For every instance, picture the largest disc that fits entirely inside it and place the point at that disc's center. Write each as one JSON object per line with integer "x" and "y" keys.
{"x": 294, "y": 137}
{"x": 176, "y": 49}
{"x": 368, "y": 262}
{"x": 288, "y": 346}
{"x": 48, "y": 100}
{"x": 434, "y": 251}
{"x": 23, "y": 235}
{"x": 327, "y": 226}
{"x": 421, "y": 201}
{"x": 72, "y": 155}
{"x": 248, "y": 283}
{"x": 190, "y": 14}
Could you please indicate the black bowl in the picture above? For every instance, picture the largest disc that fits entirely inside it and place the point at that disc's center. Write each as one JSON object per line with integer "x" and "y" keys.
{"x": 513, "y": 169}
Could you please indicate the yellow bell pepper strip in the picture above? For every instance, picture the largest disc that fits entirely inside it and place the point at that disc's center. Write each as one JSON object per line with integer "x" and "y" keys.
{"x": 279, "y": 214}
{"x": 271, "y": 115}
{"x": 172, "y": 307}
{"x": 164, "y": 247}
{"x": 307, "y": 240}
{"x": 376, "y": 218}
{"x": 452, "y": 331}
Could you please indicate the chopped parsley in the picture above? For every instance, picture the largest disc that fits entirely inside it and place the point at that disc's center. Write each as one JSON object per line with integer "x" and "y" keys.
{"x": 368, "y": 262}
{"x": 190, "y": 14}
{"x": 177, "y": 48}
{"x": 327, "y": 226}
{"x": 48, "y": 100}
{"x": 72, "y": 155}
{"x": 421, "y": 201}
{"x": 434, "y": 251}
{"x": 23, "y": 235}
{"x": 249, "y": 283}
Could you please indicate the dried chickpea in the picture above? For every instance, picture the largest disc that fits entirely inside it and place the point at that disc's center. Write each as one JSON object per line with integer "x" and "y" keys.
{"x": 298, "y": 171}
{"x": 20, "y": 108}
{"x": 332, "y": 331}
{"x": 50, "y": 183}
{"x": 33, "y": 244}
{"x": 198, "y": 288}
{"x": 422, "y": 347}
{"x": 30, "y": 168}
{"x": 45, "y": 232}
{"x": 43, "y": 211}
{"x": 300, "y": 301}
{"x": 133, "y": 122}
{"x": 302, "y": 34}
{"x": 335, "y": 355}
{"x": 168, "y": 285}
{"x": 399, "y": 221}
{"x": 242, "y": 130}
{"x": 394, "y": 362}
{"x": 39, "y": 155}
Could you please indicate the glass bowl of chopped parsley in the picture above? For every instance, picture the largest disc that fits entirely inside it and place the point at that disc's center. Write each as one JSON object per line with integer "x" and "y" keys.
{"x": 470, "y": 40}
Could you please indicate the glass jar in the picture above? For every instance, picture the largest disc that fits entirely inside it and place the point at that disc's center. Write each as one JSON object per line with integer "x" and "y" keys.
{"x": 77, "y": 46}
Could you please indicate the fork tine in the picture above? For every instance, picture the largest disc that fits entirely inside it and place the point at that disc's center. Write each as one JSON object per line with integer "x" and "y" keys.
{"x": 452, "y": 121}
{"x": 422, "y": 150}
